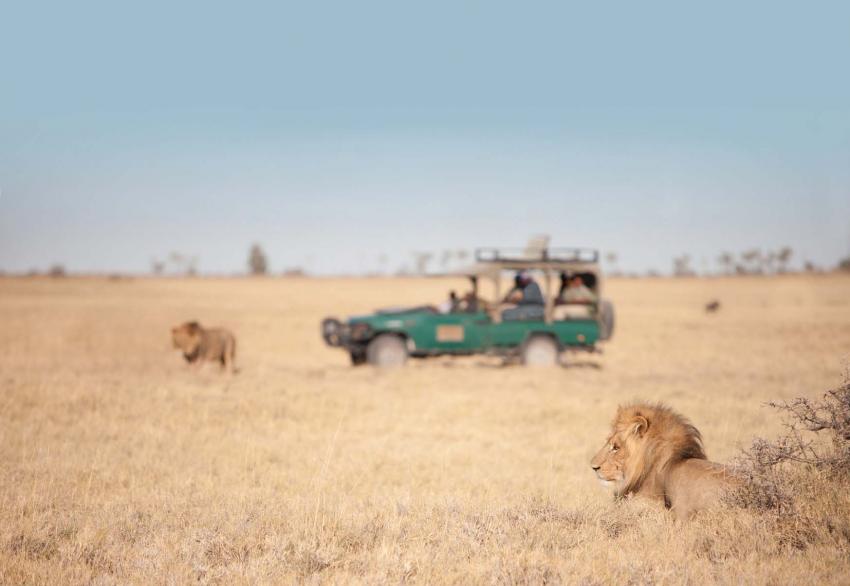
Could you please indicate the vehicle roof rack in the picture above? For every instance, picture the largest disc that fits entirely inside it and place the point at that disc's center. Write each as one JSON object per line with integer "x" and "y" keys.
{"x": 548, "y": 256}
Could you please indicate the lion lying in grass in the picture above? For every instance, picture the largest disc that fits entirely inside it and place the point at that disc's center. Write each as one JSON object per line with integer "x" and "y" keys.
{"x": 200, "y": 345}
{"x": 654, "y": 452}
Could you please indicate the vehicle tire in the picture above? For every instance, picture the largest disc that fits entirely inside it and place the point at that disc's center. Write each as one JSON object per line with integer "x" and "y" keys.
{"x": 387, "y": 351}
{"x": 540, "y": 350}
{"x": 606, "y": 319}
{"x": 331, "y": 329}
{"x": 358, "y": 357}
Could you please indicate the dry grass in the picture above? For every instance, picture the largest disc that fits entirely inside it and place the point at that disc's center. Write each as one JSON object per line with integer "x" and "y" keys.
{"x": 118, "y": 465}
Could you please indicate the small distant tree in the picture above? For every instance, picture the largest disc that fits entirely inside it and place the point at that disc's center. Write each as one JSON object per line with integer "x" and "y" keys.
{"x": 682, "y": 266}
{"x": 446, "y": 259}
{"x": 257, "y": 262}
{"x": 176, "y": 259}
{"x": 611, "y": 258}
{"x": 191, "y": 266}
{"x": 56, "y": 271}
{"x": 783, "y": 257}
{"x": 382, "y": 262}
{"x": 844, "y": 265}
{"x": 183, "y": 264}
{"x": 157, "y": 267}
{"x": 752, "y": 261}
{"x": 768, "y": 260}
{"x": 726, "y": 260}
{"x": 421, "y": 261}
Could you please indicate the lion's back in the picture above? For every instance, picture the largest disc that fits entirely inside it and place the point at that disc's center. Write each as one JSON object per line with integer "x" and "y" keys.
{"x": 220, "y": 344}
{"x": 696, "y": 484}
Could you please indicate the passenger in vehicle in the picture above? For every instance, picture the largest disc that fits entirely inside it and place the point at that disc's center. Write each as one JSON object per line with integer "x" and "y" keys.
{"x": 576, "y": 291}
{"x": 526, "y": 291}
{"x": 575, "y": 299}
{"x": 527, "y": 299}
{"x": 469, "y": 303}
{"x": 450, "y": 305}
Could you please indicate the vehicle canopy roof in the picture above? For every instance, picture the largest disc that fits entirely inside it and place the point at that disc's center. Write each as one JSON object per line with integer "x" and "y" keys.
{"x": 493, "y": 261}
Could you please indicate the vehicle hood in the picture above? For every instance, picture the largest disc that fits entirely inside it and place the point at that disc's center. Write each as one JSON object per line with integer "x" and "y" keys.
{"x": 392, "y": 312}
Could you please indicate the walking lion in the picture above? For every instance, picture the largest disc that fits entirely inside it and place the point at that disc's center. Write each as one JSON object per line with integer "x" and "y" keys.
{"x": 201, "y": 345}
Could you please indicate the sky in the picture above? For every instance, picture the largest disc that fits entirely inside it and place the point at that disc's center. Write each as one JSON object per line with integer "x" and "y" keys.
{"x": 342, "y": 137}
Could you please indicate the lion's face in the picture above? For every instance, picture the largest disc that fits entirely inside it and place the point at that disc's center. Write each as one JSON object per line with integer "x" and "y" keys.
{"x": 610, "y": 462}
{"x": 617, "y": 463}
{"x": 186, "y": 337}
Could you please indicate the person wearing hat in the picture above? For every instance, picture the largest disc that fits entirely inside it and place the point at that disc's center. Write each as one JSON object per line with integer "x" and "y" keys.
{"x": 527, "y": 298}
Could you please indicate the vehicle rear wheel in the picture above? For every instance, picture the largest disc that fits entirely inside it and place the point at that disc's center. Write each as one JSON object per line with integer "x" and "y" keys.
{"x": 540, "y": 351}
{"x": 387, "y": 351}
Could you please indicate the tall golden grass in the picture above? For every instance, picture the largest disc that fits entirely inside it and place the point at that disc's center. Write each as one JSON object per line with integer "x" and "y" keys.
{"x": 118, "y": 465}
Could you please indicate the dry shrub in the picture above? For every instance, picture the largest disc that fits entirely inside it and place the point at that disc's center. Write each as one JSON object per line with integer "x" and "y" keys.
{"x": 800, "y": 478}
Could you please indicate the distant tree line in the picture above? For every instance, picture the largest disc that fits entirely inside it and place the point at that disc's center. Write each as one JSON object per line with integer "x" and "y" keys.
{"x": 754, "y": 261}
{"x": 422, "y": 261}
{"x": 748, "y": 262}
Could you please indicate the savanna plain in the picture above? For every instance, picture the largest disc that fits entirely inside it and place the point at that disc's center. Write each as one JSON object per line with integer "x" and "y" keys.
{"x": 121, "y": 465}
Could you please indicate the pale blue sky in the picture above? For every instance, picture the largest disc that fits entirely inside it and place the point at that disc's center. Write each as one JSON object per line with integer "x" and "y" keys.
{"x": 334, "y": 132}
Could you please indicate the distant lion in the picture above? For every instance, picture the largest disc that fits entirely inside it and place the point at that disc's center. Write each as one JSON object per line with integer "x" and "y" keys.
{"x": 200, "y": 345}
{"x": 655, "y": 453}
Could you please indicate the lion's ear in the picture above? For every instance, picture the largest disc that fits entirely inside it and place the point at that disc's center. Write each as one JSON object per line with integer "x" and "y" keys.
{"x": 640, "y": 425}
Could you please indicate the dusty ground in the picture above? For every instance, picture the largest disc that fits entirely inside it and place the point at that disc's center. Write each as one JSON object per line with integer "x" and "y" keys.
{"x": 118, "y": 465}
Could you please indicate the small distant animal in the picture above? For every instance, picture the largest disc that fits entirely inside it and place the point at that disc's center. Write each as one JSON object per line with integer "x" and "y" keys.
{"x": 201, "y": 345}
{"x": 712, "y": 306}
{"x": 655, "y": 453}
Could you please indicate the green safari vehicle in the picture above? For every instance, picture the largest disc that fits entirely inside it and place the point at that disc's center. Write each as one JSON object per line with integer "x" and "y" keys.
{"x": 471, "y": 325}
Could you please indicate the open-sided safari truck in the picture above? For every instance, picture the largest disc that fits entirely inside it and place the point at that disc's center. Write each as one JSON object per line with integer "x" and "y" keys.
{"x": 537, "y": 334}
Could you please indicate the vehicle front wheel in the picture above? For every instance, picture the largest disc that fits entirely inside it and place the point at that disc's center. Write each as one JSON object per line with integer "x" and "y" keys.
{"x": 387, "y": 351}
{"x": 540, "y": 351}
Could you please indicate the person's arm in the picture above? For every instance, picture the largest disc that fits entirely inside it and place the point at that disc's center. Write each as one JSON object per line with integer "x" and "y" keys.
{"x": 513, "y": 296}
